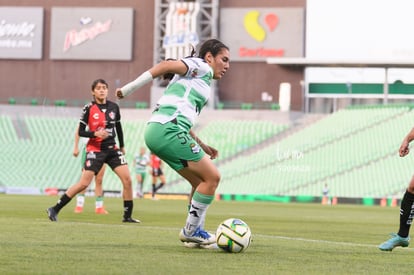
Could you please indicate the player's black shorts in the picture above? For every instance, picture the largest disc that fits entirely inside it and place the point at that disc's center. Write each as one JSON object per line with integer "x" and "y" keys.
{"x": 95, "y": 160}
{"x": 156, "y": 172}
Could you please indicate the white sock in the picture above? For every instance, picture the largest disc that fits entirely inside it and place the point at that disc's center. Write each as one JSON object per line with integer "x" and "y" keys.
{"x": 203, "y": 220}
{"x": 195, "y": 216}
{"x": 99, "y": 202}
{"x": 80, "y": 200}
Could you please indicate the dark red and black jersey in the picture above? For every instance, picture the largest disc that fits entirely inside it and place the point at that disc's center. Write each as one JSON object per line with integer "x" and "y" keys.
{"x": 101, "y": 116}
{"x": 155, "y": 161}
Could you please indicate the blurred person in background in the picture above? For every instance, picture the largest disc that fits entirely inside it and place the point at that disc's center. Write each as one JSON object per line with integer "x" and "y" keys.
{"x": 156, "y": 173}
{"x": 141, "y": 161}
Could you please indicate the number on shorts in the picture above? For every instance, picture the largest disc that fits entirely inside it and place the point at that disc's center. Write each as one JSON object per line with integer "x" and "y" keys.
{"x": 183, "y": 137}
{"x": 122, "y": 159}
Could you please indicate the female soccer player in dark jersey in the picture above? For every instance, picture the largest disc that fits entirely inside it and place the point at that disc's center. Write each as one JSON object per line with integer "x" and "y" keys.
{"x": 101, "y": 123}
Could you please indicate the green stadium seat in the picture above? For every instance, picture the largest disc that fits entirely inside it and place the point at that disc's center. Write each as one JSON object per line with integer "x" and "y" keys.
{"x": 354, "y": 151}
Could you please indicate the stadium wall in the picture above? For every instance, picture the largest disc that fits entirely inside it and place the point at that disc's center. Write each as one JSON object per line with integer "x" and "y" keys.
{"x": 48, "y": 81}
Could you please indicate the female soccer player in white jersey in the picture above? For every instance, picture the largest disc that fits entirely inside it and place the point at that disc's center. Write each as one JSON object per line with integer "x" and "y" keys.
{"x": 168, "y": 133}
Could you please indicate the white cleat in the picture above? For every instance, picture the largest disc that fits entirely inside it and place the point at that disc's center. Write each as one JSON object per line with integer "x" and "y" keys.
{"x": 200, "y": 236}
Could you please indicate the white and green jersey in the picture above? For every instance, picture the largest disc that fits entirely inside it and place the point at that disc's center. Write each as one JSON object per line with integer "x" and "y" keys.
{"x": 141, "y": 162}
{"x": 185, "y": 95}
{"x": 83, "y": 141}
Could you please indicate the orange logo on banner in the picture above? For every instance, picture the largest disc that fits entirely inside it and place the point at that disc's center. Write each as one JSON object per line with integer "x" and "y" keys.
{"x": 253, "y": 27}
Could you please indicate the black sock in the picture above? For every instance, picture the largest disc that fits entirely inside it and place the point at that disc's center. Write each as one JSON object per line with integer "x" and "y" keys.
{"x": 62, "y": 202}
{"x": 128, "y": 206}
{"x": 159, "y": 186}
{"x": 406, "y": 214}
{"x": 154, "y": 189}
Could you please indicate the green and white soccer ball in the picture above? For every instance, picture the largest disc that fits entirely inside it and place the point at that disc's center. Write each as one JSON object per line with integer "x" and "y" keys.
{"x": 233, "y": 235}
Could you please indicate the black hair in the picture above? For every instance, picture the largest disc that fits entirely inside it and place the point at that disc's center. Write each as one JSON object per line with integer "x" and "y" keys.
{"x": 97, "y": 81}
{"x": 212, "y": 45}
{"x": 168, "y": 76}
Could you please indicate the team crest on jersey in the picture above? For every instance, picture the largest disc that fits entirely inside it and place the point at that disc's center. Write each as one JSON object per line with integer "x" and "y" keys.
{"x": 195, "y": 148}
{"x": 112, "y": 115}
{"x": 95, "y": 116}
{"x": 194, "y": 73}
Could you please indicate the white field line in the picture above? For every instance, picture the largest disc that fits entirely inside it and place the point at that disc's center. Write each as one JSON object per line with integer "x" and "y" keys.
{"x": 314, "y": 241}
{"x": 160, "y": 228}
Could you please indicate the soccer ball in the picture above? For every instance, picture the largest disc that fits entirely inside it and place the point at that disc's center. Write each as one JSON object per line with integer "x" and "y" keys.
{"x": 233, "y": 235}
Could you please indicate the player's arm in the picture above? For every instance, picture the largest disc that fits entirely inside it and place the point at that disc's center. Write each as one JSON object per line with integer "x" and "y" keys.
{"x": 212, "y": 152}
{"x": 91, "y": 134}
{"x": 404, "y": 148}
{"x": 82, "y": 132}
{"x": 76, "y": 148}
{"x": 162, "y": 68}
{"x": 120, "y": 134}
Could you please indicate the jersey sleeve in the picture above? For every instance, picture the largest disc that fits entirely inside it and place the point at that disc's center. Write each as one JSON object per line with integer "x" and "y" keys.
{"x": 83, "y": 123}
{"x": 196, "y": 67}
{"x": 118, "y": 113}
{"x": 84, "y": 118}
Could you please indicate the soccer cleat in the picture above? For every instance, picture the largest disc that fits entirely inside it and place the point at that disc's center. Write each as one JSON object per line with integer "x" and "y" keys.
{"x": 101, "y": 210}
{"x": 200, "y": 236}
{"x": 52, "y": 214}
{"x": 131, "y": 220}
{"x": 78, "y": 209}
{"x": 393, "y": 242}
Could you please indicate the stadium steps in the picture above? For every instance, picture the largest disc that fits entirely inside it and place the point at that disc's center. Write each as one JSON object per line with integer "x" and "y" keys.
{"x": 299, "y": 140}
{"x": 20, "y": 127}
{"x": 242, "y": 168}
{"x": 290, "y": 130}
{"x": 392, "y": 128}
{"x": 48, "y": 162}
{"x": 7, "y": 133}
{"x": 232, "y": 138}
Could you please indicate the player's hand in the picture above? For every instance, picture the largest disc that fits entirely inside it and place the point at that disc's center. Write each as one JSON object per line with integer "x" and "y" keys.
{"x": 119, "y": 94}
{"x": 102, "y": 133}
{"x": 404, "y": 148}
{"x": 75, "y": 152}
{"x": 212, "y": 152}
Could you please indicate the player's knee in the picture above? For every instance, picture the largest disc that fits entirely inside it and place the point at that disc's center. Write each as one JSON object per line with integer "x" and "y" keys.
{"x": 214, "y": 180}
{"x": 127, "y": 181}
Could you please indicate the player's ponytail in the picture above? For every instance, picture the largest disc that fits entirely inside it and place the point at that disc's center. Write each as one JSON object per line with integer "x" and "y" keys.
{"x": 193, "y": 51}
{"x": 168, "y": 76}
